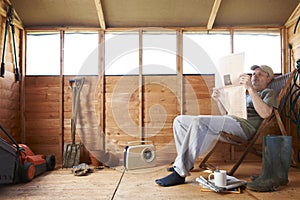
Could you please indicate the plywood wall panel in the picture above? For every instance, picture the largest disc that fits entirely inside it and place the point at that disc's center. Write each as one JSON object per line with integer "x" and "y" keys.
{"x": 161, "y": 105}
{"x": 160, "y": 96}
{"x": 121, "y": 111}
{"x": 42, "y": 115}
{"x": 294, "y": 41}
{"x": 197, "y": 92}
{"x": 10, "y": 116}
{"x": 120, "y": 127}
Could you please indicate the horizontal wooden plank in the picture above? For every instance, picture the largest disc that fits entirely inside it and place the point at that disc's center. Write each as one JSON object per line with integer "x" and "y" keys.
{"x": 13, "y": 95}
{"x": 43, "y": 90}
{"x": 9, "y": 113}
{"x": 43, "y": 139}
{"x": 13, "y": 105}
{"x": 44, "y": 81}
{"x": 42, "y": 123}
{"x": 43, "y": 97}
{"x": 36, "y": 131}
{"x": 42, "y": 115}
{"x": 42, "y": 107}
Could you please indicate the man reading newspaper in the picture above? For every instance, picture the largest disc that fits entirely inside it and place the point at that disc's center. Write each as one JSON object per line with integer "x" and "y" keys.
{"x": 197, "y": 135}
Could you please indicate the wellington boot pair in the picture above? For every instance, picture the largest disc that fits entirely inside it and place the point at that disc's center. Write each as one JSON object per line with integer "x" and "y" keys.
{"x": 277, "y": 152}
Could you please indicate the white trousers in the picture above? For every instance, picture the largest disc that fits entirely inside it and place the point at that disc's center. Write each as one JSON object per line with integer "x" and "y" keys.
{"x": 197, "y": 135}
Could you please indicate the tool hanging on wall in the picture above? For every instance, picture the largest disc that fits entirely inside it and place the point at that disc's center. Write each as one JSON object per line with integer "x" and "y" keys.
{"x": 10, "y": 22}
{"x": 296, "y": 25}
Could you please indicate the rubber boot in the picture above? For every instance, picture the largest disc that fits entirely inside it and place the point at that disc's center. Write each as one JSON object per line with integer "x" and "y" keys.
{"x": 285, "y": 160}
{"x": 275, "y": 165}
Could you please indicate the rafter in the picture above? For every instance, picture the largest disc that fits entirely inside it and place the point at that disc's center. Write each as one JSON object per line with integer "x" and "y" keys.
{"x": 100, "y": 13}
{"x": 292, "y": 19}
{"x": 213, "y": 14}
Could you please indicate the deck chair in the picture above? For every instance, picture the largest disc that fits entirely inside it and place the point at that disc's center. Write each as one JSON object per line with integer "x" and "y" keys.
{"x": 281, "y": 85}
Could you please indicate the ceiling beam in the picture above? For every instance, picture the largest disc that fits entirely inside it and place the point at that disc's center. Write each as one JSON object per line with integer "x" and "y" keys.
{"x": 292, "y": 19}
{"x": 213, "y": 14}
{"x": 100, "y": 13}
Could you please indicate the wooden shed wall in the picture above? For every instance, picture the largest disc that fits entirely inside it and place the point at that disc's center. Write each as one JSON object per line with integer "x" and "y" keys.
{"x": 128, "y": 114}
{"x": 10, "y": 89}
{"x": 43, "y": 115}
{"x": 48, "y": 101}
{"x": 293, "y": 33}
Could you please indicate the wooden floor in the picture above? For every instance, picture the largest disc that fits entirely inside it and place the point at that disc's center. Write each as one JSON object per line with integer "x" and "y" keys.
{"x": 116, "y": 184}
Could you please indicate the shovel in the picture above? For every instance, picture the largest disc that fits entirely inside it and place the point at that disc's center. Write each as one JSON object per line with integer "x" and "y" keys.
{"x": 71, "y": 154}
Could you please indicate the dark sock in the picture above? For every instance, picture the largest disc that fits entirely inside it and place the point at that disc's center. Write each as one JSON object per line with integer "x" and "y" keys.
{"x": 170, "y": 169}
{"x": 171, "y": 179}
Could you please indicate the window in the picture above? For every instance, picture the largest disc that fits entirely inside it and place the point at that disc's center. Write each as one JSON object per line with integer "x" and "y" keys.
{"x": 43, "y": 54}
{"x": 202, "y": 51}
{"x": 81, "y": 54}
{"x": 122, "y": 53}
{"x": 260, "y": 48}
{"x": 159, "y": 53}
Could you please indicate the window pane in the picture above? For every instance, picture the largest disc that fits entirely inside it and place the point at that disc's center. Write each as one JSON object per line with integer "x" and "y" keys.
{"x": 202, "y": 51}
{"x": 121, "y": 53}
{"x": 259, "y": 48}
{"x": 159, "y": 53}
{"x": 43, "y": 54}
{"x": 81, "y": 54}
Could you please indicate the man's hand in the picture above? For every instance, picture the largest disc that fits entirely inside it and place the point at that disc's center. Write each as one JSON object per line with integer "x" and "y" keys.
{"x": 216, "y": 97}
{"x": 246, "y": 81}
{"x": 216, "y": 94}
{"x": 263, "y": 109}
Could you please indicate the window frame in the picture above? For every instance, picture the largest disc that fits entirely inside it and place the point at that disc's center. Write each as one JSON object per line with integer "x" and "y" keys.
{"x": 159, "y": 31}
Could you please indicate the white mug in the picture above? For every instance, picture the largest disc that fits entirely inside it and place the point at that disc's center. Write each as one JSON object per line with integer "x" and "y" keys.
{"x": 219, "y": 178}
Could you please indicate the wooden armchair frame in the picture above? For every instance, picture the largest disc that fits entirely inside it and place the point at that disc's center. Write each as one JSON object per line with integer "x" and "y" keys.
{"x": 281, "y": 85}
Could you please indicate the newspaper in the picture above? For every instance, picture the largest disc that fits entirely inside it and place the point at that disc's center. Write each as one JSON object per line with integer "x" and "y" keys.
{"x": 232, "y": 94}
{"x": 232, "y": 182}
